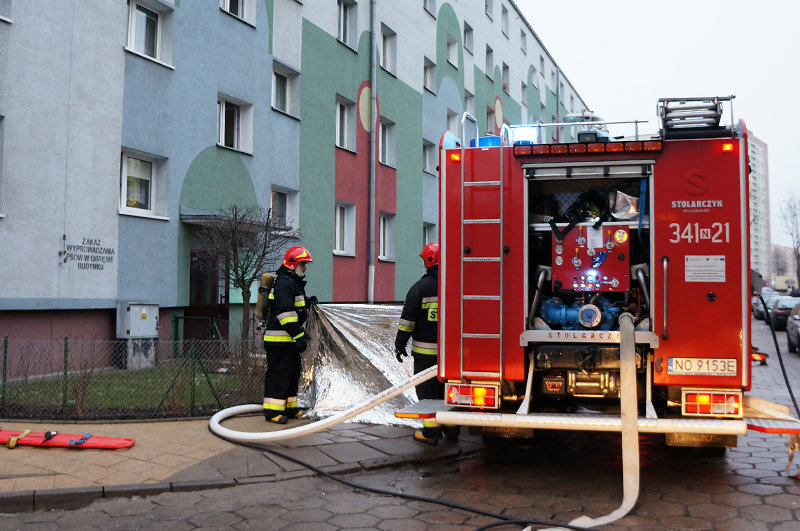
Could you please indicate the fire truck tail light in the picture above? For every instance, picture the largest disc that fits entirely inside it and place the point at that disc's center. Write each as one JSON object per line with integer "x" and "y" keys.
{"x": 633, "y": 146}
{"x": 652, "y": 145}
{"x": 455, "y": 157}
{"x": 712, "y": 403}
{"x": 476, "y": 395}
{"x": 727, "y": 146}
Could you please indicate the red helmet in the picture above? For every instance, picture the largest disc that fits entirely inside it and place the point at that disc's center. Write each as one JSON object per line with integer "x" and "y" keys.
{"x": 296, "y": 255}
{"x": 430, "y": 254}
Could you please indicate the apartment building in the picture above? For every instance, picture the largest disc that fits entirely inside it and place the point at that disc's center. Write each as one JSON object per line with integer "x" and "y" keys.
{"x": 124, "y": 125}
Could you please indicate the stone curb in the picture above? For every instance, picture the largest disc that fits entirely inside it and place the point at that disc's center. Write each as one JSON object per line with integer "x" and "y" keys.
{"x": 73, "y": 498}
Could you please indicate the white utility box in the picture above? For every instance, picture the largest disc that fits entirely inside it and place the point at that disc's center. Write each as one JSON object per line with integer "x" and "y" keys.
{"x": 137, "y": 320}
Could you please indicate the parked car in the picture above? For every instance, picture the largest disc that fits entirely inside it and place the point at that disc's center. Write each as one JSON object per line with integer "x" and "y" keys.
{"x": 756, "y": 309}
{"x": 769, "y": 300}
{"x": 780, "y": 310}
{"x": 793, "y": 329}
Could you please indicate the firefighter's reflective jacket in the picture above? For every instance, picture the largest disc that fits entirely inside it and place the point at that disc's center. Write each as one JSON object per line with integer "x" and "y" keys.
{"x": 287, "y": 308}
{"x": 420, "y": 315}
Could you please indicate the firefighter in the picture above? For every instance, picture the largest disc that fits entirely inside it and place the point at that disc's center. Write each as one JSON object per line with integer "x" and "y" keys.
{"x": 285, "y": 338}
{"x": 419, "y": 322}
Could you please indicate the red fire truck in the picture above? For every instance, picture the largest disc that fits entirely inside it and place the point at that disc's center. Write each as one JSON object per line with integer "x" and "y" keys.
{"x": 582, "y": 280}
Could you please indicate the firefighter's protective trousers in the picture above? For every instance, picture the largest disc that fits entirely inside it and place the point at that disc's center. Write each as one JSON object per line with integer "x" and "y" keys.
{"x": 420, "y": 322}
{"x": 287, "y": 315}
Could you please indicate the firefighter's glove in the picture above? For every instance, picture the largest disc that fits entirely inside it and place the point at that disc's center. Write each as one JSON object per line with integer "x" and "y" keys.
{"x": 301, "y": 344}
{"x": 400, "y": 349}
{"x": 312, "y": 300}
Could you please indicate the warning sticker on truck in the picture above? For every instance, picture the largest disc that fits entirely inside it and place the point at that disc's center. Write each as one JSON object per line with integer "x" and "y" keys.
{"x": 704, "y": 268}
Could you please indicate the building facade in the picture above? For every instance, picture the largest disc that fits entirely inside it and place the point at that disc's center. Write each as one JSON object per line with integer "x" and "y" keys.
{"x": 760, "y": 246}
{"x": 125, "y": 124}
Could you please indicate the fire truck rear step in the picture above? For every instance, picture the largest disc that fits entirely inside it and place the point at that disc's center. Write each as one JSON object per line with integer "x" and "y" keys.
{"x": 590, "y": 422}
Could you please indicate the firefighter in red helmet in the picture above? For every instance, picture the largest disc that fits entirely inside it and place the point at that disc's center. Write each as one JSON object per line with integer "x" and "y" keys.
{"x": 285, "y": 338}
{"x": 419, "y": 322}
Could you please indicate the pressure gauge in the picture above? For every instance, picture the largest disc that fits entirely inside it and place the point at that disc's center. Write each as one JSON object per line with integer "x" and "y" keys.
{"x": 559, "y": 249}
{"x": 559, "y": 260}
{"x": 590, "y": 251}
{"x": 576, "y": 262}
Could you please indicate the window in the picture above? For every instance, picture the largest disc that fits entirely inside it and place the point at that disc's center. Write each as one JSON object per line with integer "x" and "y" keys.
{"x": 571, "y": 103}
{"x": 452, "y": 122}
{"x": 524, "y": 94}
{"x": 553, "y": 79}
{"x": 541, "y": 66}
{"x": 467, "y": 37}
{"x": 429, "y": 75}
{"x": 138, "y": 176}
{"x": 386, "y": 237}
{"x": 490, "y": 121}
{"x": 388, "y": 48}
{"x": 344, "y": 229}
{"x": 428, "y": 157}
{"x": 469, "y": 102}
{"x": 345, "y": 124}
{"x": 243, "y": 9}
{"x": 143, "y": 34}
{"x": 430, "y": 6}
{"x": 488, "y": 5}
{"x": 452, "y": 50}
{"x": 429, "y": 233}
{"x": 506, "y": 77}
{"x": 386, "y": 144}
{"x": 235, "y": 124}
{"x": 489, "y": 61}
{"x": 285, "y": 89}
{"x": 504, "y": 20}
{"x": 347, "y": 22}
{"x": 535, "y": 77}
{"x": 523, "y": 41}
{"x": 279, "y": 201}
{"x": 284, "y": 208}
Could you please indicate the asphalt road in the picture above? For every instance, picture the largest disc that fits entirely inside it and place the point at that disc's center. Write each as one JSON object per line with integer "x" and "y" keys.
{"x": 556, "y": 476}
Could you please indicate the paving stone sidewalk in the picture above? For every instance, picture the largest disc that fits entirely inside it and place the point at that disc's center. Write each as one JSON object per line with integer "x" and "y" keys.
{"x": 183, "y": 456}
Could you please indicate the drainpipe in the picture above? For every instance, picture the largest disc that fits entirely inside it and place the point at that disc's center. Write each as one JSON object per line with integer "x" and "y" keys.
{"x": 373, "y": 109}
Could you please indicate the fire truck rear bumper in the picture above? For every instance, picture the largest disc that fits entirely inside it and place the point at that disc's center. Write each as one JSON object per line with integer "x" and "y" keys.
{"x": 590, "y": 422}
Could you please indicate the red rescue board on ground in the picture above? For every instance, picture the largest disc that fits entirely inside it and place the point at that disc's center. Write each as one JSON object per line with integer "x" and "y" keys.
{"x": 62, "y": 440}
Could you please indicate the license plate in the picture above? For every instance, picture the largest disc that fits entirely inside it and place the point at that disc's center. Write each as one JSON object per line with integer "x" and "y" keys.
{"x": 702, "y": 366}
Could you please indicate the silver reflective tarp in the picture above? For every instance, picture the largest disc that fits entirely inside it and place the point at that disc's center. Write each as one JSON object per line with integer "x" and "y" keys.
{"x": 350, "y": 358}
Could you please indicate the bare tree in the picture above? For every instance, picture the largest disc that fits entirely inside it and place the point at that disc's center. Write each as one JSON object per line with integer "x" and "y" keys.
{"x": 248, "y": 240}
{"x": 790, "y": 211}
{"x": 779, "y": 261}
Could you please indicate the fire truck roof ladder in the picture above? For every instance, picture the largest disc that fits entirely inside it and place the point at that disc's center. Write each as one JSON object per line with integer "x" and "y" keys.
{"x": 694, "y": 117}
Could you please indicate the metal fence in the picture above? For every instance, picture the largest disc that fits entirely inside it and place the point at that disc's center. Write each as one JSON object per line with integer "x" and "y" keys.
{"x": 134, "y": 379}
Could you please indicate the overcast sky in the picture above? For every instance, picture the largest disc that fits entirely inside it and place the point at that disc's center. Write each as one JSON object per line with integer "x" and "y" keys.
{"x": 622, "y": 55}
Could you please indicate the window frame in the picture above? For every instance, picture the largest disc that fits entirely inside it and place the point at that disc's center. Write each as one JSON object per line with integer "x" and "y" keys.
{"x": 489, "y": 66}
{"x": 505, "y": 77}
{"x": 488, "y": 7}
{"x": 386, "y": 237}
{"x": 123, "y": 201}
{"x": 388, "y": 56}
{"x": 292, "y": 89}
{"x": 244, "y": 124}
{"x": 491, "y": 120}
{"x": 247, "y": 11}
{"x": 345, "y": 108}
{"x": 430, "y": 7}
{"x": 429, "y": 75}
{"x": 429, "y": 157}
{"x": 387, "y": 142}
{"x": 134, "y": 5}
{"x": 452, "y": 51}
{"x": 523, "y": 94}
{"x": 452, "y": 122}
{"x": 347, "y": 21}
{"x": 504, "y": 20}
{"x": 429, "y": 233}
{"x": 469, "y": 37}
{"x": 523, "y": 41}
{"x": 290, "y": 215}
{"x": 344, "y": 224}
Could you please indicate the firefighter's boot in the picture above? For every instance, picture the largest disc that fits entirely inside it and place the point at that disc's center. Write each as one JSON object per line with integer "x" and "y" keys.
{"x": 451, "y": 432}
{"x": 428, "y": 436}
{"x": 295, "y": 413}
{"x": 275, "y": 417}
